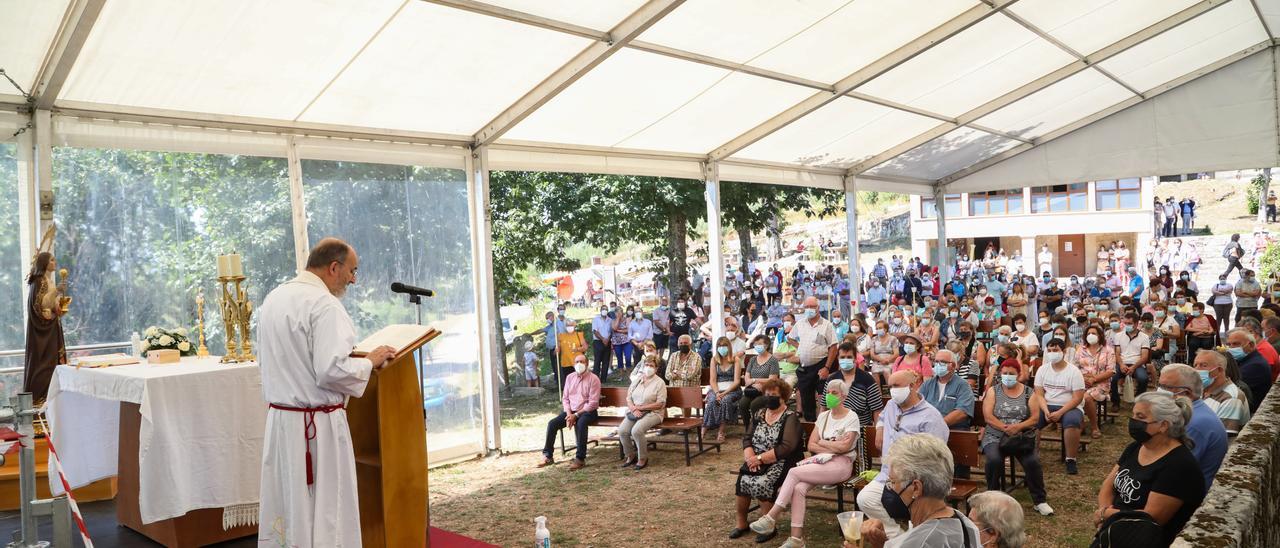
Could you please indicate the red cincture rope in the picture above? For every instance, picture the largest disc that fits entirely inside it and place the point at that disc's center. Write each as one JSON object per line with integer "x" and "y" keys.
{"x": 309, "y": 428}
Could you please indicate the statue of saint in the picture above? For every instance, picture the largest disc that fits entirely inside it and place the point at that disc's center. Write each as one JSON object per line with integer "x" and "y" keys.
{"x": 46, "y": 303}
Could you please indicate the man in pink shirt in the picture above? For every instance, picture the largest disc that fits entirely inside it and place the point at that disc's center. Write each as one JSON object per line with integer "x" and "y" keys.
{"x": 581, "y": 400}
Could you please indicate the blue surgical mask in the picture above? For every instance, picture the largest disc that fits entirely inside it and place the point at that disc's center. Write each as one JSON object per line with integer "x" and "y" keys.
{"x": 1204, "y": 378}
{"x": 1115, "y": 325}
{"x": 1008, "y": 380}
{"x": 846, "y": 364}
{"x": 1236, "y": 352}
{"x": 759, "y": 349}
{"x": 723, "y": 350}
{"x": 939, "y": 370}
{"x": 809, "y": 313}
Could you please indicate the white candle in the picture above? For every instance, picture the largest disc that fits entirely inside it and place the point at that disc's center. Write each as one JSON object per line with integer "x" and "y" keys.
{"x": 236, "y": 268}
{"x": 224, "y": 266}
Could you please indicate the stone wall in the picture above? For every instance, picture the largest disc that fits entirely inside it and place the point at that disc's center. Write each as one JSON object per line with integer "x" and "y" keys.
{"x": 1243, "y": 507}
{"x": 887, "y": 228}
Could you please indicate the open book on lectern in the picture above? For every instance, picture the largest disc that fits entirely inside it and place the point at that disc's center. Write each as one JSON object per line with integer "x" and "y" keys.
{"x": 402, "y": 337}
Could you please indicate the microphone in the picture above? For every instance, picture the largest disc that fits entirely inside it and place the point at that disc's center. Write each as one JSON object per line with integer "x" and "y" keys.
{"x": 397, "y": 287}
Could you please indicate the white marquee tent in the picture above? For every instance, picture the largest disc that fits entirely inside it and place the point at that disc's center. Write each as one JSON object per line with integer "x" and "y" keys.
{"x": 921, "y": 96}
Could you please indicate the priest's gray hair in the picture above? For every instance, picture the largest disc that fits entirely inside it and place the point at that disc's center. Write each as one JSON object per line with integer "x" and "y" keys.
{"x": 1002, "y": 513}
{"x": 923, "y": 458}
{"x": 328, "y": 251}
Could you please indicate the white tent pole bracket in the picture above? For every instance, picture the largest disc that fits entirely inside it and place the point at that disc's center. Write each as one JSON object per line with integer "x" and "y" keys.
{"x": 76, "y": 25}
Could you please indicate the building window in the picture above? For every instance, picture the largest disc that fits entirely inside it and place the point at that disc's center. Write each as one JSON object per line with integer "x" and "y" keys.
{"x": 1121, "y": 194}
{"x": 1060, "y": 198}
{"x": 999, "y": 202}
{"x": 928, "y": 210}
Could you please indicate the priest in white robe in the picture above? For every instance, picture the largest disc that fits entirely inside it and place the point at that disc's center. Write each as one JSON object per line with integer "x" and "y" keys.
{"x": 305, "y": 338}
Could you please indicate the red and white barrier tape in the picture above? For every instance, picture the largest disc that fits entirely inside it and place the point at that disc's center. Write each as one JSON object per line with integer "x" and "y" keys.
{"x": 66, "y": 486}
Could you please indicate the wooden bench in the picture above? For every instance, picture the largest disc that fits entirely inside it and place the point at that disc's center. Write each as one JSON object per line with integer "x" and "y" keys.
{"x": 615, "y": 397}
{"x": 964, "y": 451}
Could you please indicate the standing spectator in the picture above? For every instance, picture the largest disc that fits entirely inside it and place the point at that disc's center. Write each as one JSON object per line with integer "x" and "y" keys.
{"x": 620, "y": 340}
{"x": 1188, "y": 208}
{"x": 1247, "y": 291}
{"x": 1060, "y": 388}
{"x": 555, "y": 327}
{"x": 1221, "y": 301}
{"x": 1271, "y": 206}
{"x": 662, "y": 327}
{"x": 1204, "y": 429}
{"x": 879, "y": 270}
{"x": 876, "y": 293}
{"x": 1157, "y": 211}
{"x": 913, "y": 289}
{"x": 697, "y": 284}
{"x": 1012, "y": 410}
{"x": 817, "y": 352}
{"x": 1232, "y": 252}
{"x": 1158, "y": 427}
{"x": 1170, "y": 218}
{"x": 681, "y": 318}
{"x": 1254, "y": 370}
{"x": 1045, "y": 260}
{"x": 601, "y": 334}
{"x": 905, "y": 414}
{"x": 579, "y": 404}
{"x": 640, "y": 332}
{"x": 1223, "y": 397}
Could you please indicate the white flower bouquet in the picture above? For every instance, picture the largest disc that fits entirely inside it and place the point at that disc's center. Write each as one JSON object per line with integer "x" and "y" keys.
{"x": 156, "y": 338}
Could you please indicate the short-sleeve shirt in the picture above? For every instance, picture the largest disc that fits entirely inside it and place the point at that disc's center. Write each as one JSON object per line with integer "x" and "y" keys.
{"x": 940, "y": 533}
{"x": 680, "y": 318}
{"x": 758, "y": 370}
{"x": 956, "y": 394}
{"x": 1210, "y": 438}
{"x": 1059, "y": 386}
{"x": 832, "y": 429}
{"x": 921, "y": 418}
{"x": 1229, "y": 404}
{"x": 1130, "y": 347}
{"x": 815, "y": 340}
{"x": 1250, "y": 286}
{"x": 1168, "y": 475}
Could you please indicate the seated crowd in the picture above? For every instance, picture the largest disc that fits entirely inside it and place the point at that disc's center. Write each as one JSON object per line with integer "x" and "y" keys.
{"x": 898, "y": 376}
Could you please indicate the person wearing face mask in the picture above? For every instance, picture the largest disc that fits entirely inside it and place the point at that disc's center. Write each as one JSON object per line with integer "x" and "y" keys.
{"x": 1254, "y": 370}
{"x": 1012, "y": 411}
{"x": 913, "y": 358}
{"x": 1151, "y": 474}
{"x": 646, "y": 407}
{"x": 771, "y": 446}
{"x": 601, "y": 335}
{"x": 1221, "y": 395}
{"x": 998, "y": 518}
{"x": 916, "y": 491}
{"x": 834, "y": 443}
{"x": 905, "y": 413}
{"x": 864, "y": 395}
{"x": 556, "y": 326}
{"x": 684, "y": 367}
{"x": 1247, "y": 291}
{"x": 1023, "y": 336}
{"x": 927, "y": 332}
{"x": 817, "y": 352}
{"x": 841, "y": 326}
{"x": 1096, "y": 361}
{"x": 1204, "y": 428}
{"x": 947, "y": 393}
{"x": 1060, "y": 388}
{"x": 1221, "y": 301}
{"x": 761, "y": 366}
{"x": 620, "y": 340}
{"x": 639, "y": 332}
{"x": 721, "y": 403}
{"x": 662, "y": 327}
{"x": 1200, "y": 330}
{"x": 1133, "y": 352}
{"x": 579, "y": 402}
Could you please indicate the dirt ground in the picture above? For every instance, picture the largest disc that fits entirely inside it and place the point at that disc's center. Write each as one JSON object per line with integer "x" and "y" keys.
{"x": 669, "y": 504}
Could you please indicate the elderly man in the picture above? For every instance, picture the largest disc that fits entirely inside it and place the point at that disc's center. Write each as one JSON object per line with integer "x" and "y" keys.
{"x": 580, "y": 401}
{"x": 1060, "y": 387}
{"x": 1247, "y": 291}
{"x": 305, "y": 340}
{"x": 662, "y": 327}
{"x": 904, "y": 414}
{"x": 1222, "y": 396}
{"x": 951, "y": 396}
{"x": 1264, "y": 346}
{"x": 1254, "y": 370}
{"x": 1204, "y": 428}
{"x": 817, "y": 353}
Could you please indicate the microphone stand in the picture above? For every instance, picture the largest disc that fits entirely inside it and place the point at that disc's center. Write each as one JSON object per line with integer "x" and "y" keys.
{"x": 416, "y": 300}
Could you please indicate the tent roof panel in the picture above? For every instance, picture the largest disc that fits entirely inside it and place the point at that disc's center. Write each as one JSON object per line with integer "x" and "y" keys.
{"x": 948, "y": 154}
{"x": 986, "y": 60}
{"x": 737, "y": 30}
{"x": 225, "y": 57}
{"x": 1069, "y": 100}
{"x": 588, "y": 13}
{"x": 1271, "y": 13}
{"x": 1089, "y": 25}
{"x": 841, "y": 134}
{"x": 26, "y": 32}
{"x": 1192, "y": 45}
{"x": 466, "y": 87}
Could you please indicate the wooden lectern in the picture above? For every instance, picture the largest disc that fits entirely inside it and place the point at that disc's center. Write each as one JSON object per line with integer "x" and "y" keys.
{"x": 389, "y": 433}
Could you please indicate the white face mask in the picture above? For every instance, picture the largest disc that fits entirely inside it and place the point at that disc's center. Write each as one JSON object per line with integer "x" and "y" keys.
{"x": 639, "y": 315}
{"x": 1052, "y": 357}
{"x": 579, "y": 367}
{"x": 648, "y": 372}
{"x": 900, "y": 394}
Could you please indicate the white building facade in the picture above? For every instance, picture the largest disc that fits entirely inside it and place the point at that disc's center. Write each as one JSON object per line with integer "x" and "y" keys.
{"x": 1071, "y": 219}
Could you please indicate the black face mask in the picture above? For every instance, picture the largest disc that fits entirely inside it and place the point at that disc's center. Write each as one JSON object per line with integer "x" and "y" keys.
{"x": 772, "y": 402}
{"x": 684, "y": 349}
{"x": 893, "y": 505}
{"x": 1138, "y": 430}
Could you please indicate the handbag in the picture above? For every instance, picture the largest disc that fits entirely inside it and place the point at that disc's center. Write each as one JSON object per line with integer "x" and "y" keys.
{"x": 1019, "y": 444}
{"x": 1128, "y": 529}
{"x": 634, "y": 418}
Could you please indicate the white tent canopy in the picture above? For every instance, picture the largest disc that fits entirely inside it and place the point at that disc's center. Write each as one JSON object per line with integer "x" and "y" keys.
{"x": 901, "y": 94}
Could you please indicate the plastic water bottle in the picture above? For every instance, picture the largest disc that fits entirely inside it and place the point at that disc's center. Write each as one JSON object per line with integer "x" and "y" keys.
{"x": 541, "y": 534}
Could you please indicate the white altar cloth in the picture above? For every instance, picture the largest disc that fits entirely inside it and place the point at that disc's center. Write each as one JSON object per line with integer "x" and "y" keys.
{"x": 200, "y": 441}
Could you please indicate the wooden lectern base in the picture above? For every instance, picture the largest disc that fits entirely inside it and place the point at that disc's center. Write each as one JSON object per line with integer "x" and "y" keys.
{"x": 195, "y": 528}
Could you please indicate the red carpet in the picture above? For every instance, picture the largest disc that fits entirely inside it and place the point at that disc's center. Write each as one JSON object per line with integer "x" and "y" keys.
{"x": 444, "y": 539}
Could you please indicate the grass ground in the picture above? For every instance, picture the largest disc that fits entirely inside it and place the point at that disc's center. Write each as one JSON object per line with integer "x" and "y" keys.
{"x": 669, "y": 504}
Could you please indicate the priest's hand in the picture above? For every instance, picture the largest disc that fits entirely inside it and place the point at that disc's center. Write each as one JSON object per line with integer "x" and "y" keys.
{"x": 380, "y": 355}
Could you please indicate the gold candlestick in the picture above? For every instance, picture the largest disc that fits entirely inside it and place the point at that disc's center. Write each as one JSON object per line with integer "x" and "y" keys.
{"x": 244, "y": 312}
{"x": 230, "y": 311}
{"x": 203, "y": 351}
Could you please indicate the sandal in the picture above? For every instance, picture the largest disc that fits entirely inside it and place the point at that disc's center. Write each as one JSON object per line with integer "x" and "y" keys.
{"x": 720, "y": 437}
{"x": 1096, "y": 434}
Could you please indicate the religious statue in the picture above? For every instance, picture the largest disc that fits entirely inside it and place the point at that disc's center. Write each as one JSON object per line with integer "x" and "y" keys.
{"x": 46, "y": 303}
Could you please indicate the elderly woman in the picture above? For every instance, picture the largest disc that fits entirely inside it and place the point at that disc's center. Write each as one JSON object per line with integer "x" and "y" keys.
{"x": 760, "y": 366}
{"x": 998, "y": 517}
{"x": 770, "y": 448}
{"x": 646, "y": 406}
{"x": 1012, "y": 411}
{"x": 721, "y": 404}
{"x": 834, "y": 443}
{"x": 1152, "y": 473}
{"x": 919, "y": 480}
